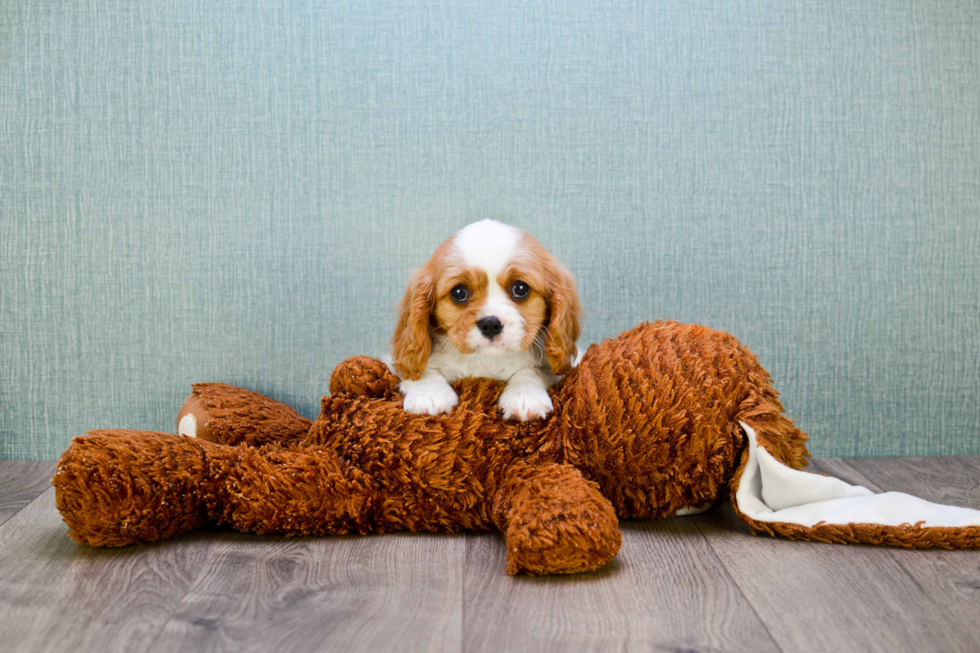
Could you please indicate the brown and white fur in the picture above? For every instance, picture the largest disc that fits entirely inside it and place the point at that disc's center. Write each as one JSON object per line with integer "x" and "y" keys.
{"x": 495, "y": 332}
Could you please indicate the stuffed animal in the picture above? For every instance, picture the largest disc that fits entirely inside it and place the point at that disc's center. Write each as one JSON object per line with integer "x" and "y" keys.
{"x": 663, "y": 420}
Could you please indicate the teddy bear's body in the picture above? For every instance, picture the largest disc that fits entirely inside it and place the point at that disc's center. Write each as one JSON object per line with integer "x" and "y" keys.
{"x": 646, "y": 425}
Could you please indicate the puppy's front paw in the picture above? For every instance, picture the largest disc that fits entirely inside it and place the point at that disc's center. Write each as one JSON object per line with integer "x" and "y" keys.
{"x": 430, "y": 398}
{"x": 525, "y": 402}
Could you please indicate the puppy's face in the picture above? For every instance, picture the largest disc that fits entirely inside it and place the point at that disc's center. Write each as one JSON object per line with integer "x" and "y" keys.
{"x": 490, "y": 289}
{"x": 491, "y": 298}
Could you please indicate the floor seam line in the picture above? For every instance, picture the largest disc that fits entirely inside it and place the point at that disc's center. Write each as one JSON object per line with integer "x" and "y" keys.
{"x": 35, "y": 498}
{"x": 741, "y": 591}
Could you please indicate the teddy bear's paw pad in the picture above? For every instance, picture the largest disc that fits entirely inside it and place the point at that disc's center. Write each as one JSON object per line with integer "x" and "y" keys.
{"x": 192, "y": 419}
{"x": 187, "y": 426}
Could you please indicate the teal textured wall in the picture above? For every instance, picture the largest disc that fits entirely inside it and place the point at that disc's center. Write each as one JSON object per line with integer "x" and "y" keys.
{"x": 237, "y": 191}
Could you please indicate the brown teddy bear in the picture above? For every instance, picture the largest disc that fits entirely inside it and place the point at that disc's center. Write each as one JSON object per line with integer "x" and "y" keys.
{"x": 656, "y": 422}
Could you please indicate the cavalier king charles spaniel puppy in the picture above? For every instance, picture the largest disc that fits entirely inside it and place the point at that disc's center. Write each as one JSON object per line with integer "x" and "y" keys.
{"x": 491, "y": 302}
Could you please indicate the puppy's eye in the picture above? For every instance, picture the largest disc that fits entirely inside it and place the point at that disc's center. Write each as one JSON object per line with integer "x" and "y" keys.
{"x": 460, "y": 294}
{"x": 519, "y": 290}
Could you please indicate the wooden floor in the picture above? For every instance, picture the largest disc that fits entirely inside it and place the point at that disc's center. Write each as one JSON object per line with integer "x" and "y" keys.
{"x": 683, "y": 584}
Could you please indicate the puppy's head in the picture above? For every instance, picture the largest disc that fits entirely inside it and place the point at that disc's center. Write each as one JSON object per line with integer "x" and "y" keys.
{"x": 490, "y": 288}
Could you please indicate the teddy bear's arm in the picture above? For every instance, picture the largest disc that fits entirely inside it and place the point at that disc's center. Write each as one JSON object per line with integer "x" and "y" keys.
{"x": 554, "y": 520}
{"x": 224, "y": 414}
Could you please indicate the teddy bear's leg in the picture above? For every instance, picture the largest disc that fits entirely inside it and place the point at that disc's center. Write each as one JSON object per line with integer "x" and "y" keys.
{"x": 224, "y": 414}
{"x": 298, "y": 491}
{"x": 554, "y": 520}
{"x": 122, "y": 487}
{"x": 363, "y": 376}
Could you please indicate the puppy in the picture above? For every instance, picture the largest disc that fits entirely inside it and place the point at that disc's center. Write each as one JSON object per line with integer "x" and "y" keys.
{"x": 491, "y": 302}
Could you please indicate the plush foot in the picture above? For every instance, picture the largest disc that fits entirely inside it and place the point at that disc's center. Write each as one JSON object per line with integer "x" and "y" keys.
{"x": 122, "y": 487}
{"x": 554, "y": 521}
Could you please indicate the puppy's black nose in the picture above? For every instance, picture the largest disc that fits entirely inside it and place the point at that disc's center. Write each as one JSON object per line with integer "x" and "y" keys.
{"x": 489, "y": 327}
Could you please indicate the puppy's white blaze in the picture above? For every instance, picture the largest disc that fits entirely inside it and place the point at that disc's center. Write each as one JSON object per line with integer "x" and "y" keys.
{"x": 488, "y": 245}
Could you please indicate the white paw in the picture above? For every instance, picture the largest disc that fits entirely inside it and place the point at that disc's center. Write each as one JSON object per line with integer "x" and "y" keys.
{"x": 430, "y": 398}
{"x": 525, "y": 402}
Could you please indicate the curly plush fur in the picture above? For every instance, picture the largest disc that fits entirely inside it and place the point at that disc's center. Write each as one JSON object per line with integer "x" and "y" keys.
{"x": 647, "y": 424}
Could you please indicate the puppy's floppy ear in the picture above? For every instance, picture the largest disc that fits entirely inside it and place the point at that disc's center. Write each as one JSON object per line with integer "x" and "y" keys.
{"x": 565, "y": 317}
{"x": 411, "y": 344}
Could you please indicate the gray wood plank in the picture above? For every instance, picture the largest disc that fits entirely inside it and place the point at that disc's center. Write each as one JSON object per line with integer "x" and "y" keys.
{"x": 397, "y": 592}
{"x": 56, "y": 595}
{"x": 824, "y": 597}
{"x": 701, "y": 583}
{"x": 951, "y": 480}
{"x": 973, "y": 462}
{"x": 949, "y": 580}
{"x": 839, "y": 468}
{"x": 665, "y": 590}
{"x": 21, "y": 481}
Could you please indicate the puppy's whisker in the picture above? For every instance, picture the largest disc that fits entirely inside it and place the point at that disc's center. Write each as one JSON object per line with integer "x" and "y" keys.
{"x": 539, "y": 341}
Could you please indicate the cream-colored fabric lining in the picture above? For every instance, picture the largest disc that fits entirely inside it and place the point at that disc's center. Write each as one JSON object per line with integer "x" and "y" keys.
{"x": 770, "y": 491}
